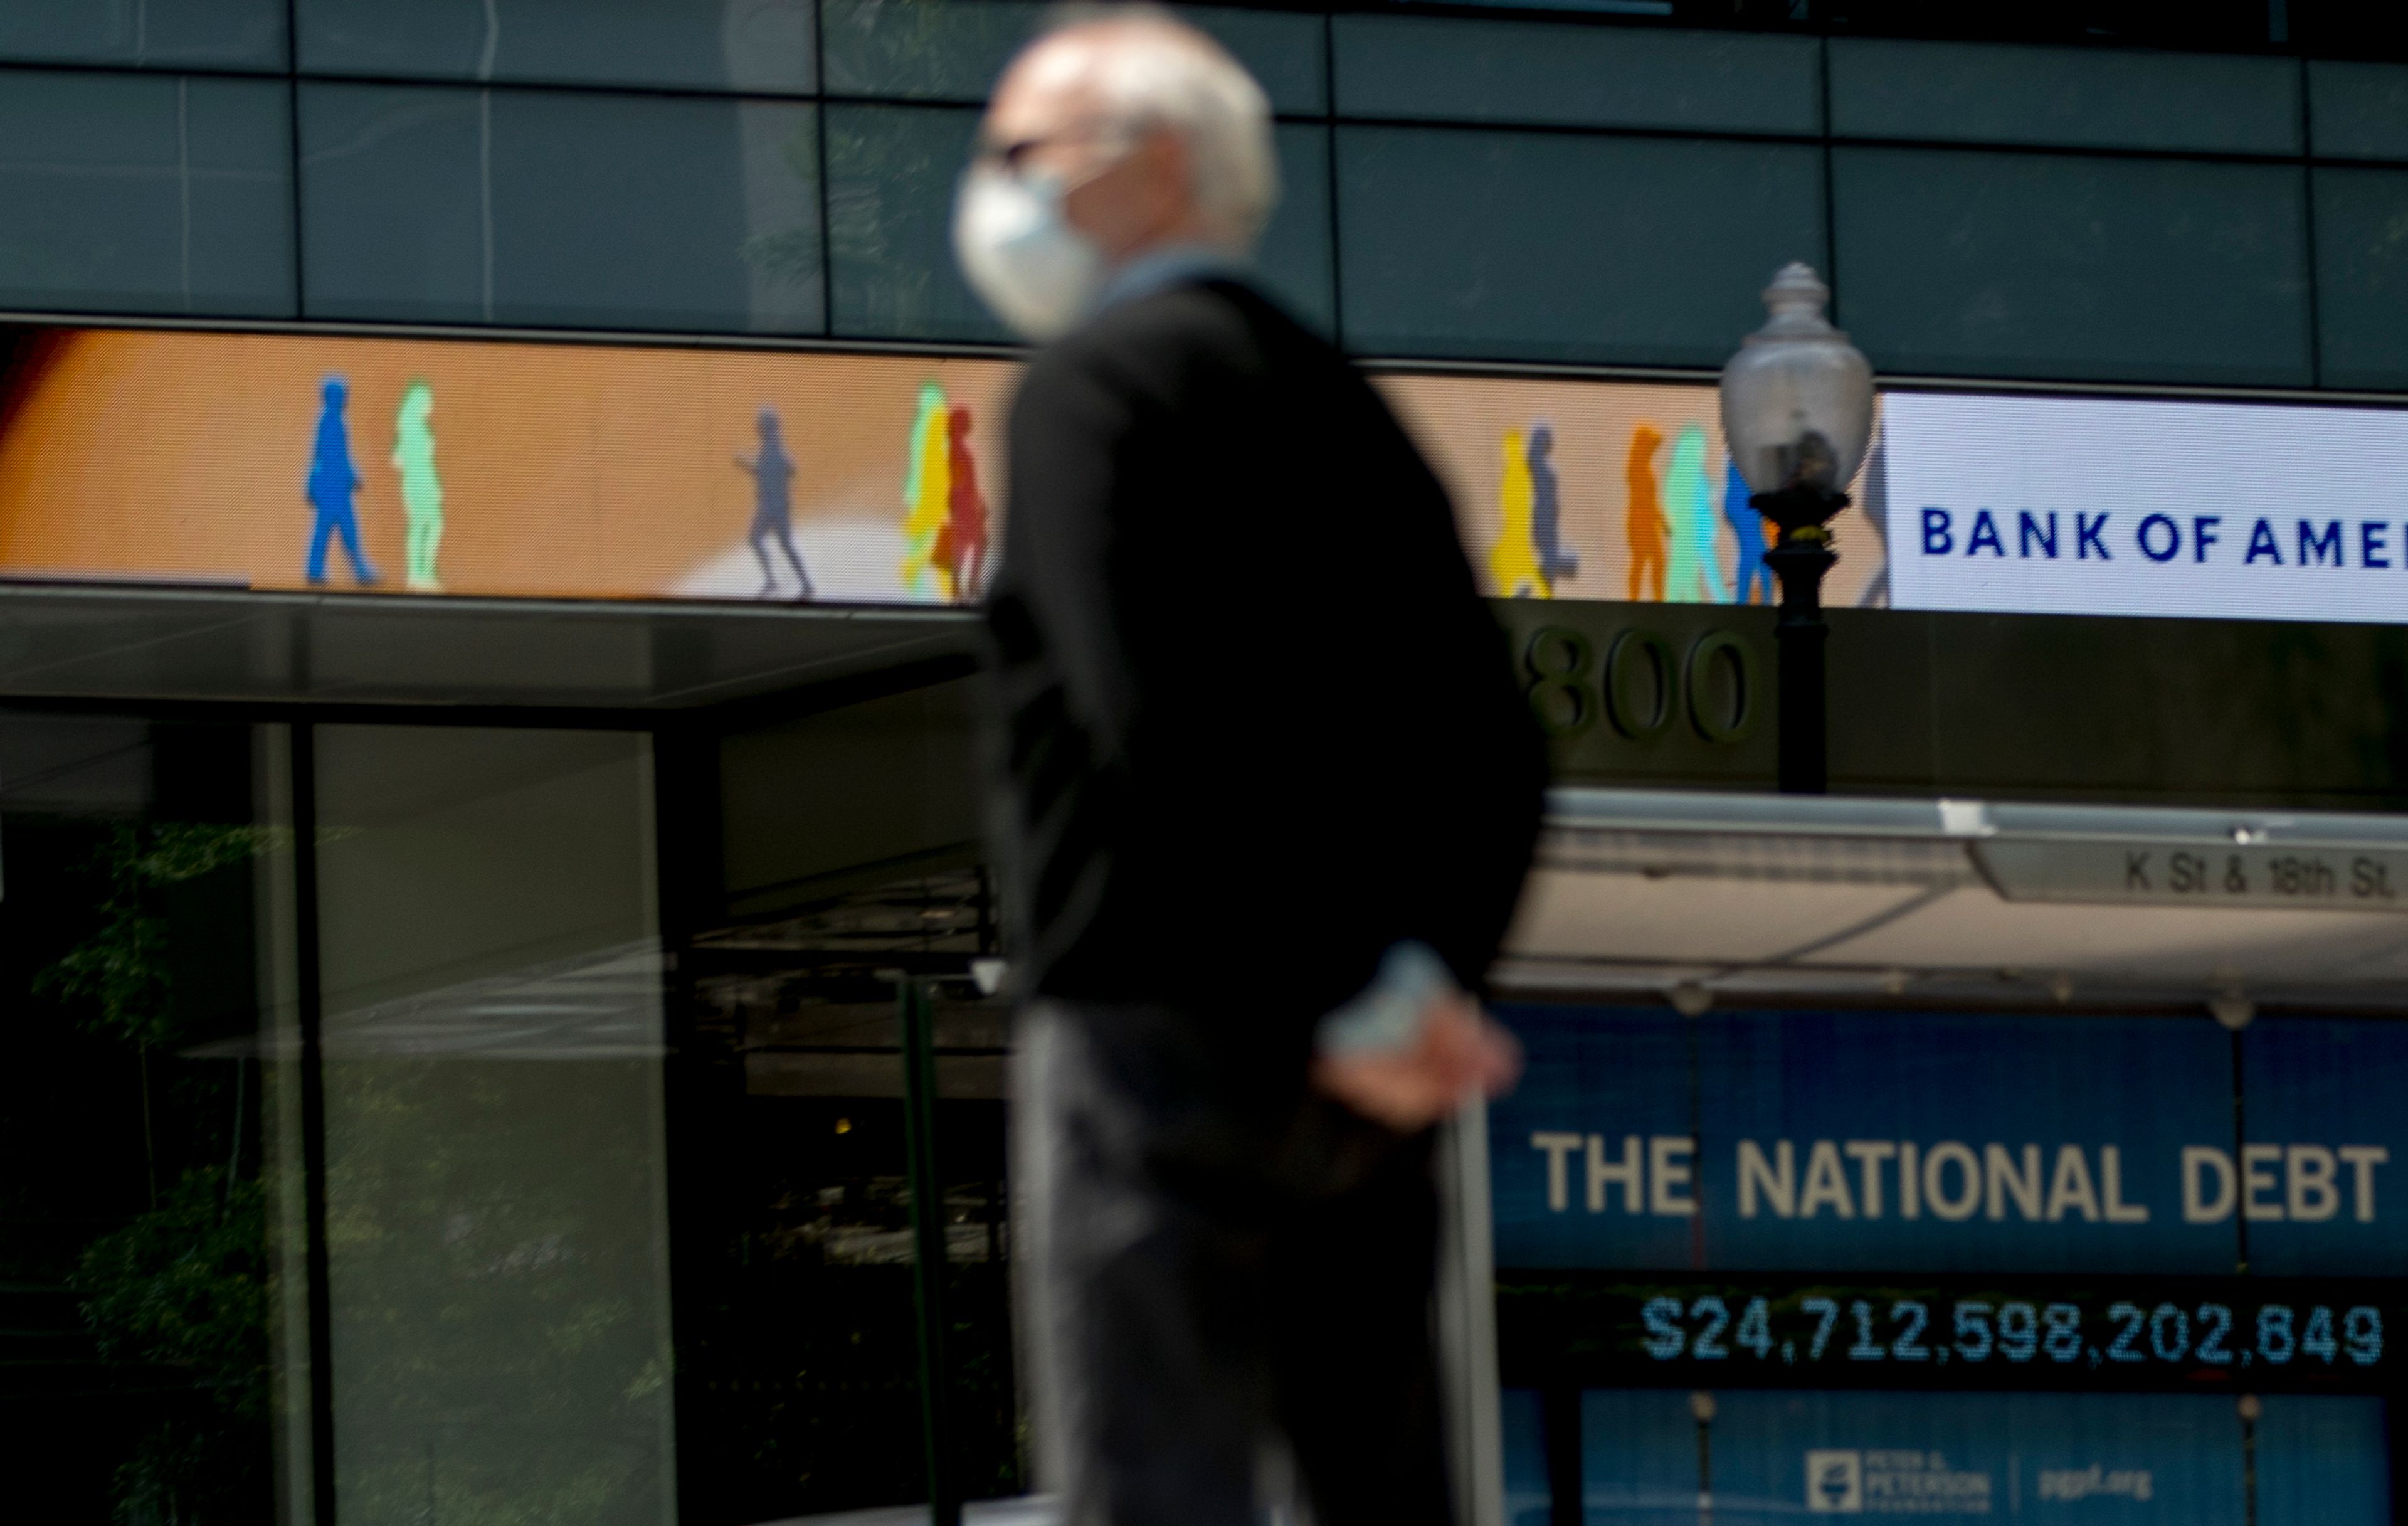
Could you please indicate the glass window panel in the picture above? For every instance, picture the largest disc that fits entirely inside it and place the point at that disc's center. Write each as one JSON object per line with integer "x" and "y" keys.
{"x": 2224, "y": 24}
{"x": 902, "y": 765}
{"x": 1607, "y": 8}
{"x": 953, "y": 49}
{"x": 2349, "y": 28}
{"x": 194, "y": 34}
{"x": 971, "y": 1039}
{"x": 763, "y": 44}
{"x": 1294, "y": 257}
{"x": 496, "y": 1180}
{"x": 152, "y": 1265}
{"x": 794, "y": 1193}
{"x": 1281, "y": 49}
{"x": 1532, "y": 246}
{"x": 2007, "y": 264}
{"x": 1609, "y": 76}
{"x": 2090, "y": 97}
{"x": 145, "y": 193}
{"x": 798, "y": 1352}
{"x": 543, "y": 208}
{"x": 891, "y": 176}
{"x": 2362, "y": 276}
{"x": 925, "y": 50}
{"x": 892, "y": 170}
{"x": 2358, "y": 110}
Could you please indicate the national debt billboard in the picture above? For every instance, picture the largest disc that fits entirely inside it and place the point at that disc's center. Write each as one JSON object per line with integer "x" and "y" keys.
{"x": 1951, "y": 1142}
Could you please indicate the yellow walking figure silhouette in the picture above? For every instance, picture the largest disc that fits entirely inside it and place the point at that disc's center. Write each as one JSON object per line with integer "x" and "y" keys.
{"x": 927, "y": 495}
{"x": 422, "y": 489}
{"x": 1514, "y": 570}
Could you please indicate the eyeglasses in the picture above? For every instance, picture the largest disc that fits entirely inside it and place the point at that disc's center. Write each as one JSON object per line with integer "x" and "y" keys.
{"x": 1013, "y": 156}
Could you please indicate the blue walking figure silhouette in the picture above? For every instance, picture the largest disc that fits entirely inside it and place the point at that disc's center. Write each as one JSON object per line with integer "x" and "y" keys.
{"x": 333, "y": 480}
{"x": 773, "y": 472}
{"x": 1748, "y": 525}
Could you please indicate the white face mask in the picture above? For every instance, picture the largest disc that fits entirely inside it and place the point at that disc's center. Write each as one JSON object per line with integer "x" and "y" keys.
{"x": 1039, "y": 274}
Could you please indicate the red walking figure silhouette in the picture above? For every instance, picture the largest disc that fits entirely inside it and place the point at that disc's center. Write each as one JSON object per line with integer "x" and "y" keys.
{"x": 961, "y": 543}
{"x": 773, "y": 472}
{"x": 332, "y": 482}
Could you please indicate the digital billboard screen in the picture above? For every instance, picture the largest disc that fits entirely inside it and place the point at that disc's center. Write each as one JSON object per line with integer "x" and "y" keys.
{"x": 1950, "y": 1142}
{"x": 608, "y": 470}
{"x": 430, "y": 466}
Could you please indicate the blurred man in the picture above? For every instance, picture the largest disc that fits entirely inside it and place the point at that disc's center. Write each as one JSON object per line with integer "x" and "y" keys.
{"x": 1268, "y": 792}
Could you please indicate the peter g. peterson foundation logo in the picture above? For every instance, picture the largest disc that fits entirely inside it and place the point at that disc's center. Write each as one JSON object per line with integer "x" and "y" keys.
{"x": 1835, "y": 1483}
{"x": 1892, "y": 1483}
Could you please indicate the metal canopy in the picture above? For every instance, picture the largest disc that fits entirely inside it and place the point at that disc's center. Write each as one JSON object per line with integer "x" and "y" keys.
{"x": 1781, "y": 898}
{"x": 169, "y": 644}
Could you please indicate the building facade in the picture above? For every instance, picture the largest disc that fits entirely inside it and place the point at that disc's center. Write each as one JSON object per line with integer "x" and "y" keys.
{"x": 493, "y": 499}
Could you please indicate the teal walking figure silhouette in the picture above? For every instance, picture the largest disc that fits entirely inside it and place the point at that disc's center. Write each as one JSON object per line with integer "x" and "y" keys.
{"x": 422, "y": 489}
{"x": 1695, "y": 577}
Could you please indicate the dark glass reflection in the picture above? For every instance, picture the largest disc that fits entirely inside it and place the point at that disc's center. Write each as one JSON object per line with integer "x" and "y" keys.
{"x": 145, "y": 1189}
{"x": 799, "y": 1349}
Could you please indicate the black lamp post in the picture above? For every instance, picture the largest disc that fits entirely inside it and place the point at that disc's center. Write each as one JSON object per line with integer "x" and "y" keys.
{"x": 1798, "y": 410}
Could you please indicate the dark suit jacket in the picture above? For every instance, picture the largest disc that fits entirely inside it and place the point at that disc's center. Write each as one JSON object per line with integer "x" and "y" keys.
{"x": 1257, "y": 724}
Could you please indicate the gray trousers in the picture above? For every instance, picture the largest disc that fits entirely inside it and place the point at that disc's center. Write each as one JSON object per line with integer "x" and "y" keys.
{"x": 1226, "y": 1284}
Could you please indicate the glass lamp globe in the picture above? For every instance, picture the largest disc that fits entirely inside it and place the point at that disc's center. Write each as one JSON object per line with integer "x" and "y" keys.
{"x": 1798, "y": 398}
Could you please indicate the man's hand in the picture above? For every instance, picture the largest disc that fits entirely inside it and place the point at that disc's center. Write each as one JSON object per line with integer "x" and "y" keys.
{"x": 1458, "y": 1052}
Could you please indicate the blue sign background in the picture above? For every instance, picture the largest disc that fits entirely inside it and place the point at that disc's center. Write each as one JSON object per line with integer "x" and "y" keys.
{"x": 1527, "y": 1489}
{"x": 2333, "y": 1083}
{"x": 2188, "y": 1445}
{"x": 1612, "y": 1070}
{"x": 1639, "y": 1458}
{"x": 2321, "y": 1461}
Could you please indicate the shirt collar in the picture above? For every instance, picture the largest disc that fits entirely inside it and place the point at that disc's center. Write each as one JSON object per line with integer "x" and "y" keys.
{"x": 1173, "y": 265}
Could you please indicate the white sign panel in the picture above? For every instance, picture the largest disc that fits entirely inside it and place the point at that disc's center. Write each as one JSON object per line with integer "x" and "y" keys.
{"x": 2101, "y": 506}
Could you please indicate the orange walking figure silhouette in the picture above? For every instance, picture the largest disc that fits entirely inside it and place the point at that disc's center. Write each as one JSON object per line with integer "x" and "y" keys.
{"x": 961, "y": 542}
{"x": 1646, "y": 522}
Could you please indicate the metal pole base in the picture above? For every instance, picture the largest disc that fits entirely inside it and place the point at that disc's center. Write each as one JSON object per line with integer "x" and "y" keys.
{"x": 1800, "y": 560}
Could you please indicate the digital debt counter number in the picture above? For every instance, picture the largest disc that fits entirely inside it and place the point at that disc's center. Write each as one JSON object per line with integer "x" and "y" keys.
{"x": 2162, "y": 1333}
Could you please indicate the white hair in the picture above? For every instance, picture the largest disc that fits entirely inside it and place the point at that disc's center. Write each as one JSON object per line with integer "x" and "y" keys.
{"x": 1154, "y": 71}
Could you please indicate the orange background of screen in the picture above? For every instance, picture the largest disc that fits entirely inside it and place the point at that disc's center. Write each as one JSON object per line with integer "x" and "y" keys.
{"x": 567, "y": 469}
{"x": 601, "y": 471}
{"x": 1459, "y": 421}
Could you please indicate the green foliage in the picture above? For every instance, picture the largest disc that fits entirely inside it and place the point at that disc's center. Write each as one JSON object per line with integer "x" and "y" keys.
{"x": 791, "y": 256}
{"x": 185, "y": 1286}
{"x": 120, "y": 972}
{"x": 182, "y": 1292}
